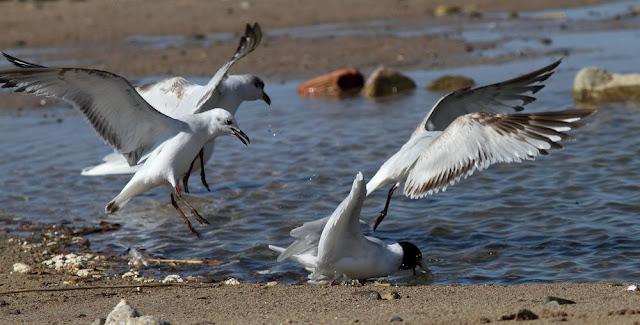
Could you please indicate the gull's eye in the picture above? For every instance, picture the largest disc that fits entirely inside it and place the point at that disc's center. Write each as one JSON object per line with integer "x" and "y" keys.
{"x": 229, "y": 122}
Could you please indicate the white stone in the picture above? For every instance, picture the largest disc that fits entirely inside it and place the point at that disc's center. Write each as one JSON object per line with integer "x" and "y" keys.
{"x": 632, "y": 288}
{"x": 594, "y": 84}
{"x": 172, "y": 278}
{"x": 21, "y": 268}
{"x": 231, "y": 281}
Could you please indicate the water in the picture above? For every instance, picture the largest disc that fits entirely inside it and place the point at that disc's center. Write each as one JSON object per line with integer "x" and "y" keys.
{"x": 570, "y": 216}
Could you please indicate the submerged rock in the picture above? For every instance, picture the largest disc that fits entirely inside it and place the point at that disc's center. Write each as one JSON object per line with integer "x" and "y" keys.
{"x": 385, "y": 82}
{"x": 446, "y": 10}
{"x": 339, "y": 83}
{"x": 124, "y": 313}
{"x": 597, "y": 85}
{"x": 450, "y": 83}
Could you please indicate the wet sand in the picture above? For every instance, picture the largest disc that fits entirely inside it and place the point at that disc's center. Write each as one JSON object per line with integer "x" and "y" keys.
{"x": 195, "y": 302}
{"x": 94, "y": 34}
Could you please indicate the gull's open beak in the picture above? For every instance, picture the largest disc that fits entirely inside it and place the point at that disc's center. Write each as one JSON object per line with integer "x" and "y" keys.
{"x": 266, "y": 98}
{"x": 241, "y": 135}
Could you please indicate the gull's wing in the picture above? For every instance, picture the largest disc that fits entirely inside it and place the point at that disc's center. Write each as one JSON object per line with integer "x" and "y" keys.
{"x": 248, "y": 42}
{"x": 342, "y": 230}
{"x": 109, "y": 102}
{"x": 503, "y": 97}
{"x": 21, "y": 63}
{"x": 477, "y": 140}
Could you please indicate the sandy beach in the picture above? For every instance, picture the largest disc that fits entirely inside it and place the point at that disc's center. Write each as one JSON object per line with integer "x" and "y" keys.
{"x": 97, "y": 34}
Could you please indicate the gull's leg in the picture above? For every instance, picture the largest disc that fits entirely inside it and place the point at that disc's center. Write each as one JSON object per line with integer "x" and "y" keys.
{"x": 193, "y": 210}
{"x": 184, "y": 217}
{"x": 202, "y": 176}
{"x": 185, "y": 178}
{"x": 383, "y": 213}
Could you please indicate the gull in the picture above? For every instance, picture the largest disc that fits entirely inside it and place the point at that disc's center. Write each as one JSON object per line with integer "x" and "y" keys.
{"x": 468, "y": 130}
{"x": 334, "y": 247}
{"x": 124, "y": 120}
{"x": 177, "y": 96}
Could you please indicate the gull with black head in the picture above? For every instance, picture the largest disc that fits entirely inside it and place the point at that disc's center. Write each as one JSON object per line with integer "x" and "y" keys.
{"x": 335, "y": 248}
{"x": 163, "y": 146}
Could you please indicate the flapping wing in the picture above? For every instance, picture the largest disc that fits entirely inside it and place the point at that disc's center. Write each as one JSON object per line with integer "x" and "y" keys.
{"x": 477, "y": 140}
{"x": 503, "y": 97}
{"x": 248, "y": 42}
{"x": 343, "y": 227}
{"x": 21, "y": 63}
{"x": 112, "y": 106}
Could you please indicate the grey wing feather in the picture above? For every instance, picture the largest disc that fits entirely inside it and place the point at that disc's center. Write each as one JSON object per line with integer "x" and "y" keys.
{"x": 21, "y": 63}
{"x": 503, "y": 97}
{"x": 248, "y": 42}
{"x": 109, "y": 102}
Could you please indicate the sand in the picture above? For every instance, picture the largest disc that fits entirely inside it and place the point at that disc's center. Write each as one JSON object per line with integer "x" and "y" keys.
{"x": 94, "y": 34}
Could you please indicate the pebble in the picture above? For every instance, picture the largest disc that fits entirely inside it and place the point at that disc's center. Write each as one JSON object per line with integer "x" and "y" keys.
{"x": 632, "y": 287}
{"x": 450, "y": 83}
{"x": 172, "y": 278}
{"x": 558, "y": 300}
{"x": 124, "y": 313}
{"x": 446, "y": 10}
{"x": 231, "y": 281}
{"x": 395, "y": 319}
{"x": 390, "y": 295}
{"x": 385, "y": 82}
{"x": 21, "y": 268}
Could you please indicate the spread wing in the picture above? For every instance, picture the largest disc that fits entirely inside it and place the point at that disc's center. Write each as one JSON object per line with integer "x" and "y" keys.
{"x": 342, "y": 230}
{"x": 109, "y": 102}
{"x": 477, "y": 140}
{"x": 503, "y": 97}
{"x": 248, "y": 42}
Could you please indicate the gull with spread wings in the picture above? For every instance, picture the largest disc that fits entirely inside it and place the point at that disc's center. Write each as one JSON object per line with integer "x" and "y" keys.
{"x": 164, "y": 146}
{"x": 469, "y": 130}
{"x": 177, "y": 96}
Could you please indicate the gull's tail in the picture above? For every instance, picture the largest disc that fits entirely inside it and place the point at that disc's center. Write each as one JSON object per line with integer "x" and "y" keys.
{"x": 277, "y": 249}
{"x": 136, "y": 185}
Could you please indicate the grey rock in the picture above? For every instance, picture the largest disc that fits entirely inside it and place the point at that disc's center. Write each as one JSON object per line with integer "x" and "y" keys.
{"x": 395, "y": 319}
{"x": 450, "y": 83}
{"x": 558, "y": 300}
{"x": 597, "y": 85}
{"x": 124, "y": 313}
{"x": 385, "y": 82}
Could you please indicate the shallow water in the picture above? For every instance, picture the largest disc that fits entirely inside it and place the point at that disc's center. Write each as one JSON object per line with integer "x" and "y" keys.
{"x": 570, "y": 216}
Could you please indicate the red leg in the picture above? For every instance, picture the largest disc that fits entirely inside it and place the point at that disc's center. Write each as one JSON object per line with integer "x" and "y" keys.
{"x": 184, "y": 217}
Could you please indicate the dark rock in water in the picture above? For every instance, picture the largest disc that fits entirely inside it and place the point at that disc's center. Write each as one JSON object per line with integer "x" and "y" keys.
{"x": 595, "y": 86}
{"x": 450, "y": 83}
{"x": 395, "y": 319}
{"x": 560, "y": 301}
{"x": 385, "y": 82}
{"x": 339, "y": 83}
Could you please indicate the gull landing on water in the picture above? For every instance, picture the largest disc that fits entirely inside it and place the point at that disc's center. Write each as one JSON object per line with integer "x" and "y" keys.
{"x": 334, "y": 248}
{"x": 164, "y": 146}
{"x": 468, "y": 130}
{"x": 177, "y": 96}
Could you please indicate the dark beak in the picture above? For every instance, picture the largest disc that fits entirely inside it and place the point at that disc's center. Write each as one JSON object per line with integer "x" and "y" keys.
{"x": 241, "y": 135}
{"x": 266, "y": 98}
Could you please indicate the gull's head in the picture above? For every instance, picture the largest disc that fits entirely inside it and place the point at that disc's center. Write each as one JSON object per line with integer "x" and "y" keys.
{"x": 224, "y": 122}
{"x": 411, "y": 257}
{"x": 253, "y": 88}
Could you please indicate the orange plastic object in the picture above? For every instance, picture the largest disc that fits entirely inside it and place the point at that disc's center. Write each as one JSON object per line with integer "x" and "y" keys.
{"x": 338, "y": 83}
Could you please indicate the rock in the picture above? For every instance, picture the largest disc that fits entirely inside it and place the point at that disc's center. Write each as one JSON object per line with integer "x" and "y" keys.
{"x": 231, "y": 281}
{"x": 395, "y": 319}
{"x": 632, "y": 287}
{"x": 484, "y": 320}
{"x": 450, "y": 83}
{"x": 83, "y": 273}
{"x": 446, "y": 10}
{"x": 385, "y": 82}
{"x": 21, "y": 268}
{"x": 369, "y": 294}
{"x": 525, "y": 314}
{"x": 124, "y": 313}
{"x": 390, "y": 295}
{"x": 596, "y": 85}
{"x": 558, "y": 300}
{"x": 339, "y": 83}
{"x": 98, "y": 321}
{"x": 271, "y": 283}
{"x": 172, "y": 278}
